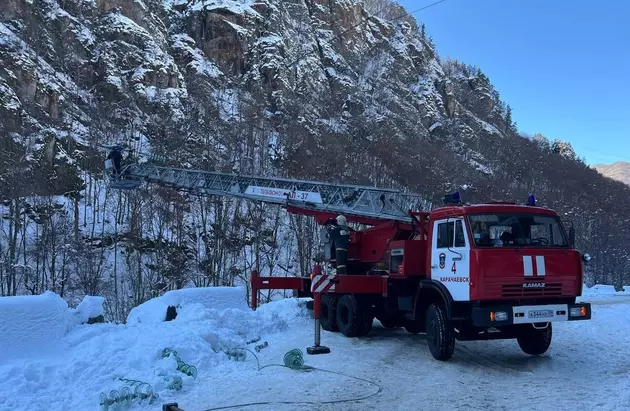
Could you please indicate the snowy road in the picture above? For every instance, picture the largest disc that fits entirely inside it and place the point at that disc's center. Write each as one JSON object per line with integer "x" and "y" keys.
{"x": 587, "y": 366}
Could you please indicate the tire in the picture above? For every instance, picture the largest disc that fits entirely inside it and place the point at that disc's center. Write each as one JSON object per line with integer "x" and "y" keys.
{"x": 328, "y": 317}
{"x": 440, "y": 335}
{"x": 534, "y": 341}
{"x": 352, "y": 320}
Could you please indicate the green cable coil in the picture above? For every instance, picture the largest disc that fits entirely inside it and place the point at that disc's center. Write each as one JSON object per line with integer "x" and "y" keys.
{"x": 123, "y": 397}
{"x": 294, "y": 359}
{"x": 182, "y": 367}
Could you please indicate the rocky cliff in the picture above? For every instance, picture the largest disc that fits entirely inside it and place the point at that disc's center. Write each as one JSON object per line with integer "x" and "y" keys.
{"x": 336, "y": 90}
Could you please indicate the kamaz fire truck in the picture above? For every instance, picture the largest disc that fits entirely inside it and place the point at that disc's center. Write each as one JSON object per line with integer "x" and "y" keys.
{"x": 457, "y": 272}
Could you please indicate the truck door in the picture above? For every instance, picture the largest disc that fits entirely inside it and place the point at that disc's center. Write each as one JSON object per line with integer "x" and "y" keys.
{"x": 450, "y": 257}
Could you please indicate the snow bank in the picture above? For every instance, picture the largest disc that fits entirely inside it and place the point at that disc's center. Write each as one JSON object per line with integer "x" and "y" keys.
{"x": 90, "y": 307}
{"x": 31, "y": 325}
{"x": 212, "y": 324}
{"x": 35, "y": 324}
{"x": 187, "y": 301}
{"x": 601, "y": 290}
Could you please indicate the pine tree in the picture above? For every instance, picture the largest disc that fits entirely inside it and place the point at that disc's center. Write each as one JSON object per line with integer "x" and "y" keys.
{"x": 423, "y": 32}
{"x": 509, "y": 123}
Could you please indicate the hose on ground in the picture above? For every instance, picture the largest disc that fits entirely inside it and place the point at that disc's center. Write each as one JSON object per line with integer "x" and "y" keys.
{"x": 294, "y": 360}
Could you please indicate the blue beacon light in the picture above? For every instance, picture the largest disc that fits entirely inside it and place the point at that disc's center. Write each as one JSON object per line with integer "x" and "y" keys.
{"x": 531, "y": 200}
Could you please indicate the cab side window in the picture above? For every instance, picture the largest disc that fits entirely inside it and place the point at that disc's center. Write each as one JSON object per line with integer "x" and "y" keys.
{"x": 445, "y": 235}
{"x": 460, "y": 239}
{"x": 451, "y": 235}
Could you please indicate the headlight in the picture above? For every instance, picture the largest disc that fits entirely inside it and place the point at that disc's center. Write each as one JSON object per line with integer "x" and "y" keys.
{"x": 498, "y": 316}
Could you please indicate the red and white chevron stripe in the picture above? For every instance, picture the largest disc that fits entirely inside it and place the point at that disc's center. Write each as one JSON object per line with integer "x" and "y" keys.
{"x": 322, "y": 283}
{"x": 534, "y": 266}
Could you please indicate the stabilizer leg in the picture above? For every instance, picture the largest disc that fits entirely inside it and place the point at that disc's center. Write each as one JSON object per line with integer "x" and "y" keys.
{"x": 317, "y": 348}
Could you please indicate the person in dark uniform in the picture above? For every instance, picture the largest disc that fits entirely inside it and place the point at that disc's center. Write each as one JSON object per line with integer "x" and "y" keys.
{"x": 116, "y": 156}
{"x": 340, "y": 236}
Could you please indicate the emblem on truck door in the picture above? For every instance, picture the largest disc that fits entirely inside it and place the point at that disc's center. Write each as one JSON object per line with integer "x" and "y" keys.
{"x": 442, "y": 260}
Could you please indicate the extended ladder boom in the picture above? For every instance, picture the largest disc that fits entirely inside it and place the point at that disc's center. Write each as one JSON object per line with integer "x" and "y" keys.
{"x": 350, "y": 200}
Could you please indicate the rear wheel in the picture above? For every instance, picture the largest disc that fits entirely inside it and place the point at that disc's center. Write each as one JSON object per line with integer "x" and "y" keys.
{"x": 328, "y": 317}
{"x": 440, "y": 335}
{"x": 353, "y": 320}
{"x": 535, "y": 341}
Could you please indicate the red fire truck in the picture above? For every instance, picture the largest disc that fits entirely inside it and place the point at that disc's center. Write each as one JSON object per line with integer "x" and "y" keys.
{"x": 458, "y": 272}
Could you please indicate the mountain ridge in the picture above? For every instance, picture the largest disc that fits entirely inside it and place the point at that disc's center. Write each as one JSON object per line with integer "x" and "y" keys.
{"x": 310, "y": 89}
{"x": 619, "y": 170}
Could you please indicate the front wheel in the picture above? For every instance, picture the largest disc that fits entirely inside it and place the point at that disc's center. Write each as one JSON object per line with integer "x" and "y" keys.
{"x": 440, "y": 336}
{"x": 535, "y": 341}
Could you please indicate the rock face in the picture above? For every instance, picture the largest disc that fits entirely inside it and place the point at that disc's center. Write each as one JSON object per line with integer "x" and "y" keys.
{"x": 619, "y": 171}
{"x": 314, "y": 75}
{"x": 318, "y": 89}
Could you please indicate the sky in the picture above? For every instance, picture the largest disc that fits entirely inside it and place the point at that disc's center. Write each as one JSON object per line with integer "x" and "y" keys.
{"x": 563, "y": 66}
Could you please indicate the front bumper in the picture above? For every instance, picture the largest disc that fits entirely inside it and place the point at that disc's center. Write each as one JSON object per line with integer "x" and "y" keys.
{"x": 529, "y": 314}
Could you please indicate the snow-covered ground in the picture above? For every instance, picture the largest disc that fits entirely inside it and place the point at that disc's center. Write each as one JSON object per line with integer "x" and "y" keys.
{"x": 587, "y": 366}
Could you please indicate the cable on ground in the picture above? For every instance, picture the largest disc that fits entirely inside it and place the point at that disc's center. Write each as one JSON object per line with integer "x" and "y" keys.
{"x": 294, "y": 359}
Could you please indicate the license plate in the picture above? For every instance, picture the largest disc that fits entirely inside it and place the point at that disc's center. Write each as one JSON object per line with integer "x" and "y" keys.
{"x": 540, "y": 314}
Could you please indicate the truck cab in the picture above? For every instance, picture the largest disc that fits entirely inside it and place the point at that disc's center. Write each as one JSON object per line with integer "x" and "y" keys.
{"x": 503, "y": 271}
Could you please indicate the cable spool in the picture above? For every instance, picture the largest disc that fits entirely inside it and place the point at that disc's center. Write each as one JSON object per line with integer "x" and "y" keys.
{"x": 294, "y": 359}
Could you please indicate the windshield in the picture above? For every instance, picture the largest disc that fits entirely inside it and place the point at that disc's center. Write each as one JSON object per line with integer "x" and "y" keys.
{"x": 516, "y": 230}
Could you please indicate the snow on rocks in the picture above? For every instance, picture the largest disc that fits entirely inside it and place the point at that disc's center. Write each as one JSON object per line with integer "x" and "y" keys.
{"x": 90, "y": 308}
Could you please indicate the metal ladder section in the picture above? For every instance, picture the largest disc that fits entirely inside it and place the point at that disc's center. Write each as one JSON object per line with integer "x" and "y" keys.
{"x": 387, "y": 204}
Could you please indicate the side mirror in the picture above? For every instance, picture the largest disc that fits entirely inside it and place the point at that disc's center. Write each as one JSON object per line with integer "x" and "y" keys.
{"x": 572, "y": 236}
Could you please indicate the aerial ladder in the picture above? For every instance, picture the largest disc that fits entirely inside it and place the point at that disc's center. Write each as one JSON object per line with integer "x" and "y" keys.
{"x": 390, "y": 209}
